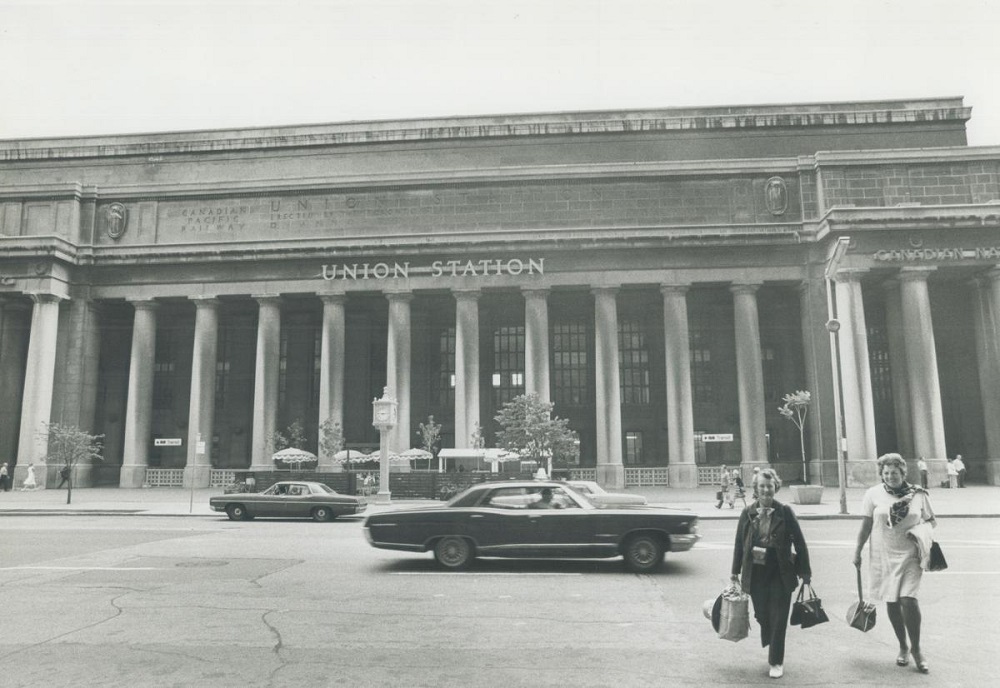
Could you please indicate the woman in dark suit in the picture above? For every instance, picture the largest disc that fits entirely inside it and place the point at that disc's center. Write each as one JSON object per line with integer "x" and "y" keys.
{"x": 763, "y": 558}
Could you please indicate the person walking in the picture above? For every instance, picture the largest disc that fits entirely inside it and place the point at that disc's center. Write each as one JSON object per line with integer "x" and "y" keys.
{"x": 64, "y": 474}
{"x": 29, "y": 480}
{"x": 952, "y": 474}
{"x": 922, "y": 467}
{"x": 723, "y": 493}
{"x": 890, "y": 510}
{"x": 766, "y": 536}
{"x": 4, "y": 478}
{"x": 960, "y": 468}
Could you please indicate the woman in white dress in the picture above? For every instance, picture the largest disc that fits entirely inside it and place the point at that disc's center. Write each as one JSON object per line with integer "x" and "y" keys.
{"x": 29, "y": 481}
{"x": 890, "y": 510}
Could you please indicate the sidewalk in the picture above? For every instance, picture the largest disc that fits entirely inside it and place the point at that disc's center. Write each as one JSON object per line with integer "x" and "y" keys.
{"x": 975, "y": 501}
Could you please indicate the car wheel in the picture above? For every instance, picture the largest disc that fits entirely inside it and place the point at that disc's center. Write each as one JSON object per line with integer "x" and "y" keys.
{"x": 236, "y": 512}
{"x": 322, "y": 513}
{"x": 453, "y": 552}
{"x": 643, "y": 553}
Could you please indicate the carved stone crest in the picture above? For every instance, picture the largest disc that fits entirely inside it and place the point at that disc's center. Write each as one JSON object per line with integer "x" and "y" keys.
{"x": 776, "y": 195}
{"x": 117, "y": 215}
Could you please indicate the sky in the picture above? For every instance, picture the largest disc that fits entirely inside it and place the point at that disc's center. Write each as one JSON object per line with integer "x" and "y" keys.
{"x": 88, "y": 67}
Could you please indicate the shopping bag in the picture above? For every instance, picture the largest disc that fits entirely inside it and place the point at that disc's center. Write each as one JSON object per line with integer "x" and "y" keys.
{"x": 734, "y": 614}
{"x": 861, "y": 614}
{"x": 718, "y": 495}
{"x": 938, "y": 562}
{"x": 808, "y": 612}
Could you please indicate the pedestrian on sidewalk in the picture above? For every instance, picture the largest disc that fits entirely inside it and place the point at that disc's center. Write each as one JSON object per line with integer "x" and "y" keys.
{"x": 29, "y": 481}
{"x": 738, "y": 485}
{"x": 64, "y": 474}
{"x": 764, "y": 566}
{"x": 960, "y": 467}
{"x": 723, "y": 494}
{"x": 922, "y": 467}
{"x": 4, "y": 478}
{"x": 890, "y": 511}
{"x": 952, "y": 475}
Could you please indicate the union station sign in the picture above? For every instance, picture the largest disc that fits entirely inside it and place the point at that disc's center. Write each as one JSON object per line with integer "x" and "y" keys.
{"x": 487, "y": 267}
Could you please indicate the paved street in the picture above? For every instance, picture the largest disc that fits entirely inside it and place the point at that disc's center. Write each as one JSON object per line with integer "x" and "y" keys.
{"x": 160, "y": 601}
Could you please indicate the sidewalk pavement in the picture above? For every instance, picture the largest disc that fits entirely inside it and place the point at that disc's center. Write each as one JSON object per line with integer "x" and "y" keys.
{"x": 971, "y": 502}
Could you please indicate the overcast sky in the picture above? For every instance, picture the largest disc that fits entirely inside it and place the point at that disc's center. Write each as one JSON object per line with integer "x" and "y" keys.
{"x": 78, "y": 67}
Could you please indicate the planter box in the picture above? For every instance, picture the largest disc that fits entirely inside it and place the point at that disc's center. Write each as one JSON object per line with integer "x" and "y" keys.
{"x": 807, "y": 494}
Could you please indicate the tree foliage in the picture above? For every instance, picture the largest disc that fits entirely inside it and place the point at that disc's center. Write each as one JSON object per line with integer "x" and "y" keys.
{"x": 795, "y": 409}
{"x": 331, "y": 437}
{"x": 430, "y": 435}
{"x": 528, "y": 428}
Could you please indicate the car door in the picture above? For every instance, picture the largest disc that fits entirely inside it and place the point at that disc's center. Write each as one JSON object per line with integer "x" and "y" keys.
{"x": 296, "y": 503}
{"x": 501, "y": 523}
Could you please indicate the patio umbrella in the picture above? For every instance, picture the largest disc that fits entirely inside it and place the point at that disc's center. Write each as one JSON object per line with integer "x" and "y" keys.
{"x": 348, "y": 455}
{"x": 414, "y": 453}
{"x": 293, "y": 458}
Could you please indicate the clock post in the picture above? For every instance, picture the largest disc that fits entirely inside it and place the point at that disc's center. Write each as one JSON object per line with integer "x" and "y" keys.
{"x": 383, "y": 418}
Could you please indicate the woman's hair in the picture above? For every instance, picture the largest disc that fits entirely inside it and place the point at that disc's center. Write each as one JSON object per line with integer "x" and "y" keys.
{"x": 891, "y": 461}
{"x": 769, "y": 474}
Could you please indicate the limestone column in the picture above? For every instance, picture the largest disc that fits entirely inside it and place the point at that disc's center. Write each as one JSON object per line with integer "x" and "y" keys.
{"x": 36, "y": 405}
{"x": 466, "y": 366}
{"x": 201, "y": 412}
{"x": 750, "y": 377}
{"x": 897, "y": 365}
{"x": 331, "y": 370}
{"x": 536, "y": 342}
{"x": 813, "y": 313}
{"x": 139, "y": 408}
{"x": 680, "y": 411}
{"x": 856, "y": 379}
{"x": 921, "y": 365}
{"x": 398, "y": 367}
{"x": 987, "y": 323}
{"x": 610, "y": 470}
{"x": 266, "y": 372}
{"x": 13, "y": 351}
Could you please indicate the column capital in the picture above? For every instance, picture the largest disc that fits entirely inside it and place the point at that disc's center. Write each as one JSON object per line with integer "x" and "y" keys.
{"x": 467, "y": 293}
{"x": 674, "y": 289}
{"x": 45, "y": 297}
{"x": 267, "y": 299}
{"x": 845, "y": 275}
{"x": 608, "y": 290}
{"x": 144, "y": 304}
{"x": 204, "y": 301}
{"x": 745, "y": 287}
{"x": 915, "y": 274}
{"x": 401, "y": 296}
{"x": 535, "y": 292}
{"x": 334, "y": 299}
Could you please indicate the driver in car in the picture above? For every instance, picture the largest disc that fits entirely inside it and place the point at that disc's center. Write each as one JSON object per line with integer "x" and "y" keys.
{"x": 546, "y": 501}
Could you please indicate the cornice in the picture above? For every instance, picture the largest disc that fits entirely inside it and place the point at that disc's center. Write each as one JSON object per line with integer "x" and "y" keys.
{"x": 963, "y": 216}
{"x": 903, "y": 156}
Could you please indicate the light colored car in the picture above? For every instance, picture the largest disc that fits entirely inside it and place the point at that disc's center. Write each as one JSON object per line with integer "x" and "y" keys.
{"x": 598, "y": 495}
{"x": 289, "y": 499}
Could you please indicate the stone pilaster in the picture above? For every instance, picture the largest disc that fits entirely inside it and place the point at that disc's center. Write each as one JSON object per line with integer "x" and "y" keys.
{"x": 331, "y": 370}
{"x": 466, "y": 366}
{"x": 610, "y": 469}
{"x": 398, "y": 364}
{"x": 266, "y": 373}
{"x": 536, "y": 342}
{"x": 139, "y": 408}
{"x": 201, "y": 412}
{"x": 680, "y": 410}
{"x": 750, "y": 376}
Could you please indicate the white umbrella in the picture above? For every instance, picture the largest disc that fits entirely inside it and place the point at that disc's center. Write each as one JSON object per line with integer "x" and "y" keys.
{"x": 293, "y": 457}
{"x": 348, "y": 455}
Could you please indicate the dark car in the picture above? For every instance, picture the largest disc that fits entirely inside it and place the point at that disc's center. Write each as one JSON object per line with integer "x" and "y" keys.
{"x": 289, "y": 499}
{"x": 532, "y": 519}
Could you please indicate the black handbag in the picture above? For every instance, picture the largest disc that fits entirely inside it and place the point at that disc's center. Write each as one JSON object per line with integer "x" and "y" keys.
{"x": 808, "y": 612}
{"x": 938, "y": 562}
{"x": 861, "y": 614}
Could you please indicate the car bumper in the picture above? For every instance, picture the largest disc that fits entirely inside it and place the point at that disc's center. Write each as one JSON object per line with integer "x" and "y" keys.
{"x": 682, "y": 543}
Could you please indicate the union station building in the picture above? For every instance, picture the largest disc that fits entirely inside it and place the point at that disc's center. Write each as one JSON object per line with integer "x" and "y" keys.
{"x": 664, "y": 277}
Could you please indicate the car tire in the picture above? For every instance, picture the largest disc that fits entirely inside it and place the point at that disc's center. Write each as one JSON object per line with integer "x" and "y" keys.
{"x": 643, "y": 553}
{"x": 323, "y": 513}
{"x": 453, "y": 552}
{"x": 237, "y": 512}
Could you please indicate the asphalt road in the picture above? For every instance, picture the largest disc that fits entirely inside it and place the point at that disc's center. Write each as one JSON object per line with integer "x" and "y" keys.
{"x": 146, "y": 601}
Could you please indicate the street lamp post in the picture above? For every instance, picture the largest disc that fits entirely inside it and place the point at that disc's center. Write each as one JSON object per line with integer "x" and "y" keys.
{"x": 833, "y": 327}
{"x": 384, "y": 418}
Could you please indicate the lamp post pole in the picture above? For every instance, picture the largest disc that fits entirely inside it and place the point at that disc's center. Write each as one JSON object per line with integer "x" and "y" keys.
{"x": 383, "y": 418}
{"x": 833, "y": 327}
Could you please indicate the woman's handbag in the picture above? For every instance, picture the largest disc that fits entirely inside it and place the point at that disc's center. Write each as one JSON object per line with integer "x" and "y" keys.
{"x": 861, "y": 615}
{"x": 734, "y": 614}
{"x": 808, "y": 612}
{"x": 938, "y": 562}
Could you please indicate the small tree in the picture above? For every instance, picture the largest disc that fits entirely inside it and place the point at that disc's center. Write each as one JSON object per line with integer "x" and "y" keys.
{"x": 68, "y": 446}
{"x": 528, "y": 428}
{"x": 294, "y": 437}
{"x": 795, "y": 409}
{"x": 331, "y": 437}
{"x": 430, "y": 437}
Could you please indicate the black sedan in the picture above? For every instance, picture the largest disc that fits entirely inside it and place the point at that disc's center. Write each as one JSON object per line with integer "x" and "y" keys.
{"x": 289, "y": 499}
{"x": 532, "y": 519}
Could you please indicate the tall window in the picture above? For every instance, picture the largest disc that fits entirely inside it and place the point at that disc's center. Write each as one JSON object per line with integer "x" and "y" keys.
{"x": 702, "y": 389}
{"x": 163, "y": 373}
{"x": 878, "y": 359}
{"x": 633, "y": 447}
{"x": 569, "y": 364}
{"x": 223, "y": 363}
{"x": 283, "y": 369}
{"x": 634, "y": 360}
{"x": 772, "y": 377}
{"x": 446, "y": 368}
{"x": 508, "y": 364}
{"x": 317, "y": 366}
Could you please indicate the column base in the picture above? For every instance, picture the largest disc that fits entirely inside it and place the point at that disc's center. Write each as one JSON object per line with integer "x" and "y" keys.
{"x": 383, "y": 497}
{"x": 861, "y": 473}
{"x": 683, "y": 475}
{"x": 132, "y": 477}
{"x": 197, "y": 476}
{"x": 611, "y": 476}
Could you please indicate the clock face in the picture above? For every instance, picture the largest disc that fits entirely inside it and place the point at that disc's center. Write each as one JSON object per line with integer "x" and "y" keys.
{"x": 382, "y": 414}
